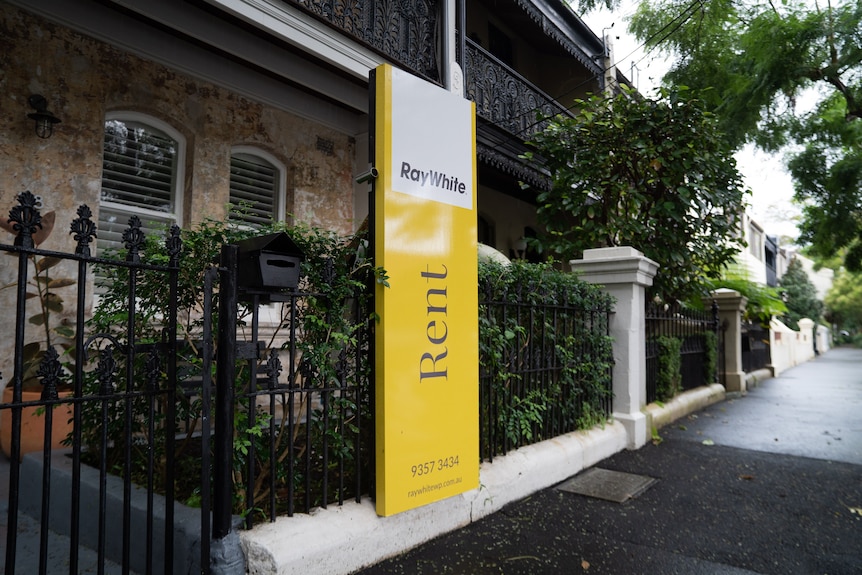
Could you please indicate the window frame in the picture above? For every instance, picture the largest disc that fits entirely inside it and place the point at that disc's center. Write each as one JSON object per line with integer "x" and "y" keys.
{"x": 179, "y": 173}
{"x": 280, "y": 188}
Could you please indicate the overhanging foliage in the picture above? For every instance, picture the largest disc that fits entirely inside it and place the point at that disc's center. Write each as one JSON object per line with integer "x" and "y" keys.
{"x": 652, "y": 174}
{"x": 759, "y": 60}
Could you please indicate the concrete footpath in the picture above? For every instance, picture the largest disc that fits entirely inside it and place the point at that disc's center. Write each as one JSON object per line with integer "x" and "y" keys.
{"x": 28, "y": 542}
{"x": 769, "y": 482}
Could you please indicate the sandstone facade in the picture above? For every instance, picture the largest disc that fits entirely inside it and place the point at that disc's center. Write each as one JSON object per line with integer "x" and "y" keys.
{"x": 85, "y": 79}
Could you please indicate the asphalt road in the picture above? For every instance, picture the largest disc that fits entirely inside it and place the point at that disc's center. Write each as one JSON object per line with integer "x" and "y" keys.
{"x": 769, "y": 483}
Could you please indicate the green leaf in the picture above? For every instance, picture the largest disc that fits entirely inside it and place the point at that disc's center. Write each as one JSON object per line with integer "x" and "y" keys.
{"x": 53, "y": 302}
{"x": 31, "y": 351}
{"x": 605, "y": 190}
{"x": 47, "y": 263}
{"x": 38, "y": 319}
{"x": 61, "y": 282}
{"x": 65, "y": 331}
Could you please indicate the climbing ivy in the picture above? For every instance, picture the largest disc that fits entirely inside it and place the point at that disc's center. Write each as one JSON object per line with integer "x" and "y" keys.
{"x": 669, "y": 380}
{"x": 544, "y": 351}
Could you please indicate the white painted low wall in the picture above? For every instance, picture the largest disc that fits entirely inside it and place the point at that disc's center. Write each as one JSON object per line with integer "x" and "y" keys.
{"x": 683, "y": 404}
{"x": 824, "y": 338}
{"x": 789, "y": 347}
{"x": 340, "y": 540}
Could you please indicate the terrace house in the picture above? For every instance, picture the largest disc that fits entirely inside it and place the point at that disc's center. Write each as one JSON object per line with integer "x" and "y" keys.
{"x": 266, "y": 101}
{"x": 173, "y": 109}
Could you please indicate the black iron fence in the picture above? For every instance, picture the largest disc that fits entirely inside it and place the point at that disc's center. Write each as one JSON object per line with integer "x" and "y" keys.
{"x": 756, "y": 351}
{"x": 305, "y": 408}
{"x": 165, "y": 435}
{"x": 114, "y": 392}
{"x": 149, "y": 432}
{"x": 682, "y": 349}
{"x": 545, "y": 360}
{"x": 405, "y": 32}
{"x": 504, "y": 97}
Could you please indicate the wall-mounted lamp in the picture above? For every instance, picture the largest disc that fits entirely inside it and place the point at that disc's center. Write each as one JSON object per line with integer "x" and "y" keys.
{"x": 44, "y": 119}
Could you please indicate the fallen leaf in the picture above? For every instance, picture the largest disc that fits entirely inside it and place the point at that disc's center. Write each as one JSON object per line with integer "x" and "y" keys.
{"x": 747, "y": 477}
{"x": 855, "y": 510}
{"x": 683, "y": 428}
{"x": 585, "y": 565}
{"x": 708, "y": 442}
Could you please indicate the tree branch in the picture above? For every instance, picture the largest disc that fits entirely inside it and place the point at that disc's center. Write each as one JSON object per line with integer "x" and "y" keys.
{"x": 854, "y": 108}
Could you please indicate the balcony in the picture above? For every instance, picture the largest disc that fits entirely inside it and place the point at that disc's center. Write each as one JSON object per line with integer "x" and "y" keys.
{"x": 509, "y": 108}
{"x": 502, "y": 96}
{"x": 402, "y": 31}
{"x": 505, "y": 98}
{"x": 507, "y": 104}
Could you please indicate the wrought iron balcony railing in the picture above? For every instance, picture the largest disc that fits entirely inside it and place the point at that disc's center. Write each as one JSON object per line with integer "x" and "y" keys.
{"x": 403, "y": 31}
{"x": 504, "y": 97}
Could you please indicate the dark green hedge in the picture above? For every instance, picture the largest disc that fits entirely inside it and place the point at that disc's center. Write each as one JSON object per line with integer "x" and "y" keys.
{"x": 544, "y": 352}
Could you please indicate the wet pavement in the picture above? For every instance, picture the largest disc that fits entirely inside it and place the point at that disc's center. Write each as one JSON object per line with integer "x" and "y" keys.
{"x": 57, "y": 551}
{"x": 28, "y": 542}
{"x": 769, "y": 483}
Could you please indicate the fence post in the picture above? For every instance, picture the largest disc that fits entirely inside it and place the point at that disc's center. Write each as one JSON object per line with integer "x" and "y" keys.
{"x": 226, "y": 553}
{"x": 719, "y": 352}
{"x": 808, "y": 332}
{"x": 731, "y": 304}
{"x": 624, "y": 273}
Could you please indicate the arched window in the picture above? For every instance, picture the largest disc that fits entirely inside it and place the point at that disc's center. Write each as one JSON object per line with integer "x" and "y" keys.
{"x": 142, "y": 173}
{"x": 257, "y": 187}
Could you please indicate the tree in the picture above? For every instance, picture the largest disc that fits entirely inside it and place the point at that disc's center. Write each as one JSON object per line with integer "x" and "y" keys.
{"x": 800, "y": 293}
{"x": 844, "y": 301}
{"x": 758, "y": 58}
{"x": 763, "y": 303}
{"x": 652, "y": 174}
{"x": 828, "y": 178}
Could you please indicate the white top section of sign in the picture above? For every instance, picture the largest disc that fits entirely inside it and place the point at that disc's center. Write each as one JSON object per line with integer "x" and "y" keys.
{"x": 432, "y": 142}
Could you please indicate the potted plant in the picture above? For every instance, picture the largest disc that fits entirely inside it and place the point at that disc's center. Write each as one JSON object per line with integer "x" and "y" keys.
{"x": 41, "y": 358}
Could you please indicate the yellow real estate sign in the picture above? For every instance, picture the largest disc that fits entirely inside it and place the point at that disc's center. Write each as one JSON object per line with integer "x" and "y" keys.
{"x": 427, "y": 359}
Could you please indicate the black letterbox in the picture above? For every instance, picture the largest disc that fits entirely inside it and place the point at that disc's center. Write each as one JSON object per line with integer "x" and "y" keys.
{"x": 268, "y": 263}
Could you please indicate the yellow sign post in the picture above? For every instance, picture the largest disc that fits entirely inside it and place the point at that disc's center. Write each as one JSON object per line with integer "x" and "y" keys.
{"x": 427, "y": 358}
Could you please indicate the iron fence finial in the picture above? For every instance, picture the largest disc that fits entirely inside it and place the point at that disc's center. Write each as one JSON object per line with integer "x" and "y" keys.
{"x": 25, "y": 218}
{"x": 133, "y": 238}
{"x": 83, "y": 229}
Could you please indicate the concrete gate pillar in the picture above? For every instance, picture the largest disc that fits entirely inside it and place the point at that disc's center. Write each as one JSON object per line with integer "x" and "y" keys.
{"x": 624, "y": 273}
{"x": 806, "y": 330}
{"x": 731, "y": 304}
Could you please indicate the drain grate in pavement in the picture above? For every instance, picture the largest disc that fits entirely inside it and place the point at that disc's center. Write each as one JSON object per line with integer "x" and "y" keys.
{"x": 609, "y": 485}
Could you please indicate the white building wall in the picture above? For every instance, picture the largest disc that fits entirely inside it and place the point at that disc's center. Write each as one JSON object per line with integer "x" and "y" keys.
{"x": 822, "y": 278}
{"x": 751, "y": 261}
{"x": 789, "y": 347}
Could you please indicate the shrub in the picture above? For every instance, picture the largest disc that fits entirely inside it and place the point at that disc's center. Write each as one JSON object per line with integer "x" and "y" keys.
{"x": 669, "y": 381}
{"x": 545, "y": 358}
{"x": 544, "y": 352}
{"x": 335, "y": 283}
{"x": 710, "y": 366}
